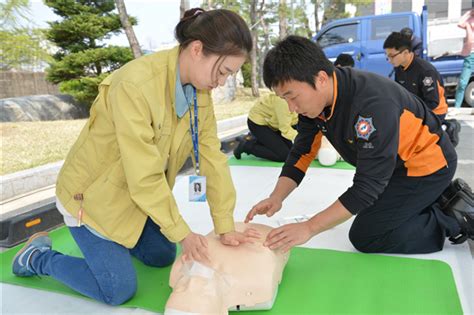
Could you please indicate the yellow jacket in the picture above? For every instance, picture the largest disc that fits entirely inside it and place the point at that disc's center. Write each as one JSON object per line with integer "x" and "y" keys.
{"x": 272, "y": 111}
{"x": 127, "y": 157}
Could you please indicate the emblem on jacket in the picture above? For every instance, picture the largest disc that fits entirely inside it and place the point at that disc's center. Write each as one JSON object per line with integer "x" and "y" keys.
{"x": 364, "y": 127}
{"x": 427, "y": 81}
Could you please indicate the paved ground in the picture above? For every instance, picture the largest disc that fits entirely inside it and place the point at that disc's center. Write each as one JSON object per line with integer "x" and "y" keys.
{"x": 465, "y": 150}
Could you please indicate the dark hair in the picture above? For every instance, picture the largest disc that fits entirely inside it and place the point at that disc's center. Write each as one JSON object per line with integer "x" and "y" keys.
{"x": 295, "y": 58}
{"x": 397, "y": 41}
{"x": 222, "y": 32}
{"x": 406, "y": 31}
{"x": 344, "y": 60}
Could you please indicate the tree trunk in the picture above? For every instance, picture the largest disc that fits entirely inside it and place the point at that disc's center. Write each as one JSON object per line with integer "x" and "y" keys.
{"x": 283, "y": 21}
{"x": 305, "y": 20}
{"x": 183, "y": 7}
{"x": 127, "y": 26}
{"x": 207, "y": 4}
{"x": 316, "y": 18}
{"x": 253, "y": 54}
{"x": 267, "y": 42}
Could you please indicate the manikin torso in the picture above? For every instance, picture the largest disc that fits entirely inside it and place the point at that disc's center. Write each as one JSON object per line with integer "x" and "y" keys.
{"x": 242, "y": 277}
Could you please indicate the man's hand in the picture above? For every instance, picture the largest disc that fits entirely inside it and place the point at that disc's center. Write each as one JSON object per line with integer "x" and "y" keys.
{"x": 267, "y": 206}
{"x": 195, "y": 248}
{"x": 289, "y": 235}
{"x": 235, "y": 238}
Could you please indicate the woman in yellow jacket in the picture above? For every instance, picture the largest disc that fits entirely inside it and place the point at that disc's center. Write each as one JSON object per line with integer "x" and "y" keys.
{"x": 273, "y": 129}
{"x": 115, "y": 187}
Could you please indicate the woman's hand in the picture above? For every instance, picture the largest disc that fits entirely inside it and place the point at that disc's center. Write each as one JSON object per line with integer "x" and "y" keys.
{"x": 195, "y": 248}
{"x": 235, "y": 238}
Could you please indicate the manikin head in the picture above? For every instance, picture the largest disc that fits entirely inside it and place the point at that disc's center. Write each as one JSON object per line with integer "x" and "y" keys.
{"x": 240, "y": 277}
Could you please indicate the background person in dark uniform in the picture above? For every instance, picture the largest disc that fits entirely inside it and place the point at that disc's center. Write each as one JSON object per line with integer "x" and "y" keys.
{"x": 404, "y": 161}
{"x": 344, "y": 60}
{"x": 421, "y": 78}
{"x": 415, "y": 41}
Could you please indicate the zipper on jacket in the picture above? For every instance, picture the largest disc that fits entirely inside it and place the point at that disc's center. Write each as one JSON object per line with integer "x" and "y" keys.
{"x": 79, "y": 197}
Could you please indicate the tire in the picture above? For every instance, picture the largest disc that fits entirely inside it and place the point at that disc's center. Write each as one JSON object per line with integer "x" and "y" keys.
{"x": 469, "y": 94}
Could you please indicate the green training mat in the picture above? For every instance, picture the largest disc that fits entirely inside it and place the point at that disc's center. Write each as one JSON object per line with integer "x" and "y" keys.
{"x": 315, "y": 281}
{"x": 250, "y": 160}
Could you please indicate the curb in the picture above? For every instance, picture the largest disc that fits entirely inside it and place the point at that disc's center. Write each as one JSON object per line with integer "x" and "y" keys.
{"x": 23, "y": 182}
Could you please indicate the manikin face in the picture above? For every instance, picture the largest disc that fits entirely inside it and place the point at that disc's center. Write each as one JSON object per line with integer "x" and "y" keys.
{"x": 210, "y": 71}
{"x": 397, "y": 58}
{"x": 305, "y": 100}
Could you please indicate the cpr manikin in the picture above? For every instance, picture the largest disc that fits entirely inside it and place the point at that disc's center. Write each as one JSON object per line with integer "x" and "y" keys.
{"x": 242, "y": 277}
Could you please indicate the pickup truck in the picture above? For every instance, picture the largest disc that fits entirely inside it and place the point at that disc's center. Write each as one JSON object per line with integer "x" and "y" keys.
{"x": 363, "y": 37}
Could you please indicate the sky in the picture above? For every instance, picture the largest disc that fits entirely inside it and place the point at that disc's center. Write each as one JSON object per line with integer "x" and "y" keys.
{"x": 156, "y": 20}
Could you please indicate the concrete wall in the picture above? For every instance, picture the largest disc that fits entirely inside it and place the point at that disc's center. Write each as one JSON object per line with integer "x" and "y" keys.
{"x": 14, "y": 84}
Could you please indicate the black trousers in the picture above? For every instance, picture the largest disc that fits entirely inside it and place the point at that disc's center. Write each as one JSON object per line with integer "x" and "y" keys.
{"x": 268, "y": 144}
{"x": 405, "y": 218}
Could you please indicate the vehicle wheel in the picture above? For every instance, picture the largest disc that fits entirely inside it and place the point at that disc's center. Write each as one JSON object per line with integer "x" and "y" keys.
{"x": 469, "y": 94}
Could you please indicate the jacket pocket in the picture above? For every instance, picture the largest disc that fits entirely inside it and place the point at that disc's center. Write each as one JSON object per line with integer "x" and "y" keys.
{"x": 107, "y": 201}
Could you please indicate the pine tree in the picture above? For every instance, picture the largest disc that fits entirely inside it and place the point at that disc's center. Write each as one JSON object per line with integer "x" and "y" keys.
{"x": 83, "y": 60}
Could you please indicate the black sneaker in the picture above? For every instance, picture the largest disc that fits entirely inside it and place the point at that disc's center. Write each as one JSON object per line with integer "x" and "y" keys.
{"x": 246, "y": 137}
{"x": 239, "y": 150}
{"x": 457, "y": 201}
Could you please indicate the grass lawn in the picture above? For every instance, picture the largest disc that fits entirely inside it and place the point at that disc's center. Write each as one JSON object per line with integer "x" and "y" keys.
{"x": 241, "y": 105}
{"x": 25, "y": 145}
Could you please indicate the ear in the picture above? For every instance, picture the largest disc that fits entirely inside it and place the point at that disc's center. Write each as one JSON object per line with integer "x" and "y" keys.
{"x": 321, "y": 79}
{"x": 196, "y": 49}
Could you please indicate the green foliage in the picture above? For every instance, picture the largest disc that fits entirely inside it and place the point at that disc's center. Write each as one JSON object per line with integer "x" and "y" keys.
{"x": 12, "y": 12}
{"x": 82, "y": 32}
{"x": 82, "y": 60}
{"x": 88, "y": 63}
{"x": 22, "y": 46}
{"x": 21, "y": 49}
{"x": 335, "y": 9}
{"x": 84, "y": 89}
{"x": 247, "y": 74}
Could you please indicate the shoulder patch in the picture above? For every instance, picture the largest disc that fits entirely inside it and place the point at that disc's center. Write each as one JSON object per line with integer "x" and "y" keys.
{"x": 427, "y": 81}
{"x": 364, "y": 127}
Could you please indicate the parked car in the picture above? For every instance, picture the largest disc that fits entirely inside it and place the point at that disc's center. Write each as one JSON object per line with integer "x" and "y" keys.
{"x": 363, "y": 37}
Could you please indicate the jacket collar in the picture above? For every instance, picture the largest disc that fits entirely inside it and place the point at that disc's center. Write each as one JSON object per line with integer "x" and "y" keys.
{"x": 329, "y": 111}
{"x": 412, "y": 60}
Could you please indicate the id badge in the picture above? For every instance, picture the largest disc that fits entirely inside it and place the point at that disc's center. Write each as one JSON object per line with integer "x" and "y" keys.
{"x": 197, "y": 188}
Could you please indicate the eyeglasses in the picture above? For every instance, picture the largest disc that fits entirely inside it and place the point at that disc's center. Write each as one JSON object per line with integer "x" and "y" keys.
{"x": 393, "y": 56}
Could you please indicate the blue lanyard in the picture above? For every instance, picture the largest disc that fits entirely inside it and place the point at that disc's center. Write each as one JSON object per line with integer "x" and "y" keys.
{"x": 194, "y": 131}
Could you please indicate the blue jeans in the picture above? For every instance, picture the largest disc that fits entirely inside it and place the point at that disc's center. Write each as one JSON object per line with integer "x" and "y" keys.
{"x": 106, "y": 272}
{"x": 467, "y": 68}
